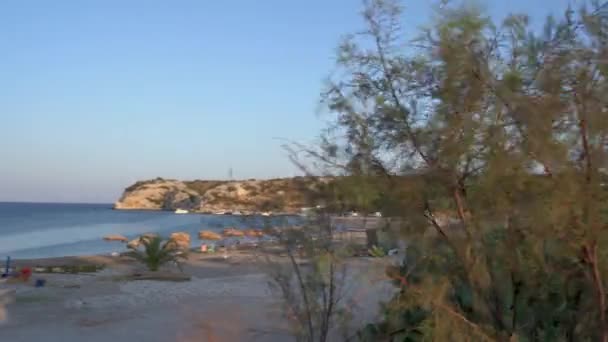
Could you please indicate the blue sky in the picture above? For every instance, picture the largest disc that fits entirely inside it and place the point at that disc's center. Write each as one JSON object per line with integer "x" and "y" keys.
{"x": 95, "y": 95}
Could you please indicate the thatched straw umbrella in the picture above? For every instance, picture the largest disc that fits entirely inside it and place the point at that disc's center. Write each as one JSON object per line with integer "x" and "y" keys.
{"x": 254, "y": 233}
{"x": 135, "y": 243}
{"x": 209, "y": 235}
{"x": 181, "y": 240}
{"x": 232, "y": 232}
{"x": 115, "y": 237}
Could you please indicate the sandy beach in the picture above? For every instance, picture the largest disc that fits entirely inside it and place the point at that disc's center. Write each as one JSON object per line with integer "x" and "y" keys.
{"x": 225, "y": 300}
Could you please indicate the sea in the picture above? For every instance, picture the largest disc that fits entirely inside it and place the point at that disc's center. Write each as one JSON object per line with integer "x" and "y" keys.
{"x": 42, "y": 230}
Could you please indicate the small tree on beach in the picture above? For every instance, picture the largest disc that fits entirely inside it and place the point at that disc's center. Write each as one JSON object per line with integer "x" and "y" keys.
{"x": 157, "y": 252}
{"x": 311, "y": 279}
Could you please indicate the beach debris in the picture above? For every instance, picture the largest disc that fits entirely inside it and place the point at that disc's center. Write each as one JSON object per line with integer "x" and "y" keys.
{"x": 233, "y": 232}
{"x": 115, "y": 237}
{"x": 181, "y": 240}
{"x": 209, "y": 235}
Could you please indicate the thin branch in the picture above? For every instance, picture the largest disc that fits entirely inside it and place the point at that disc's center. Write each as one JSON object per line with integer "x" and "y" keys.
{"x": 308, "y": 308}
{"x": 591, "y": 257}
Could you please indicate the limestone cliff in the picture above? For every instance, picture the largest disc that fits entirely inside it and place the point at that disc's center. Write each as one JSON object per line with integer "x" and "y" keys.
{"x": 159, "y": 194}
{"x": 282, "y": 195}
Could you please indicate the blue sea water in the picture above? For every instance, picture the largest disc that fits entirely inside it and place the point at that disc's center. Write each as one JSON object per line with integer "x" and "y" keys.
{"x": 40, "y": 230}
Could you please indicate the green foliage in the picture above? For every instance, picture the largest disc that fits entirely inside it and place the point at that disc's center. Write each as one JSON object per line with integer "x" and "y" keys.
{"x": 359, "y": 193}
{"x": 503, "y": 134}
{"x": 157, "y": 252}
{"x": 377, "y": 252}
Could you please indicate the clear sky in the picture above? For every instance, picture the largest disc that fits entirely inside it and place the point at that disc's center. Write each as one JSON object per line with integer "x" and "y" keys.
{"x": 97, "y": 94}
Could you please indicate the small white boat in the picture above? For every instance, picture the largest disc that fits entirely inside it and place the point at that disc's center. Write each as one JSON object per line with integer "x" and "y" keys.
{"x": 378, "y": 214}
{"x": 266, "y": 213}
{"x": 181, "y": 211}
{"x": 219, "y": 213}
{"x": 238, "y": 213}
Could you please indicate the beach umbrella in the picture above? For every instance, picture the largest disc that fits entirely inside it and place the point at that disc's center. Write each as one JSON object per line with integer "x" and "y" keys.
{"x": 232, "y": 232}
{"x": 135, "y": 243}
{"x": 181, "y": 240}
{"x": 209, "y": 235}
{"x": 115, "y": 237}
{"x": 254, "y": 233}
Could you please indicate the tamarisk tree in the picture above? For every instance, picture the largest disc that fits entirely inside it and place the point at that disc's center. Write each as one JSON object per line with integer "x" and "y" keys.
{"x": 502, "y": 131}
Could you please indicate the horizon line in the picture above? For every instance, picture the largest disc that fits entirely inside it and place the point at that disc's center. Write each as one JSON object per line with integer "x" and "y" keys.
{"x": 47, "y": 202}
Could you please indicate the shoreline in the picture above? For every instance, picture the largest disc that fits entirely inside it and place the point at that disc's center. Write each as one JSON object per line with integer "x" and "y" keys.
{"x": 77, "y": 246}
{"x": 210, "y": 213}
{"x": 68, "y": 260}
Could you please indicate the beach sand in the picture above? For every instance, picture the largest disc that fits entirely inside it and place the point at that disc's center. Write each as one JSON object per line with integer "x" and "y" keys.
{"x": 226, "y": 300}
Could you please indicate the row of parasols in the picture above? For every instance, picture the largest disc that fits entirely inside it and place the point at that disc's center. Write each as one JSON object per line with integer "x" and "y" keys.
{"x": 184, "y": 238}
{"x": 230, "y": 232}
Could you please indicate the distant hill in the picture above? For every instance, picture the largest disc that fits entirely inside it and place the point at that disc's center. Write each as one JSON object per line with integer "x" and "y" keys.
{"x": 278, "y": 195}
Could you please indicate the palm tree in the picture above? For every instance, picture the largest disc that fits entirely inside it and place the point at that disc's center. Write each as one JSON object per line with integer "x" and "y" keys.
{"x": 157, "y": 252}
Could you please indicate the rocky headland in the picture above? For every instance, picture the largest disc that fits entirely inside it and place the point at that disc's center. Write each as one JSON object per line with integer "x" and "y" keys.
{"x": 286, "y": 195}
